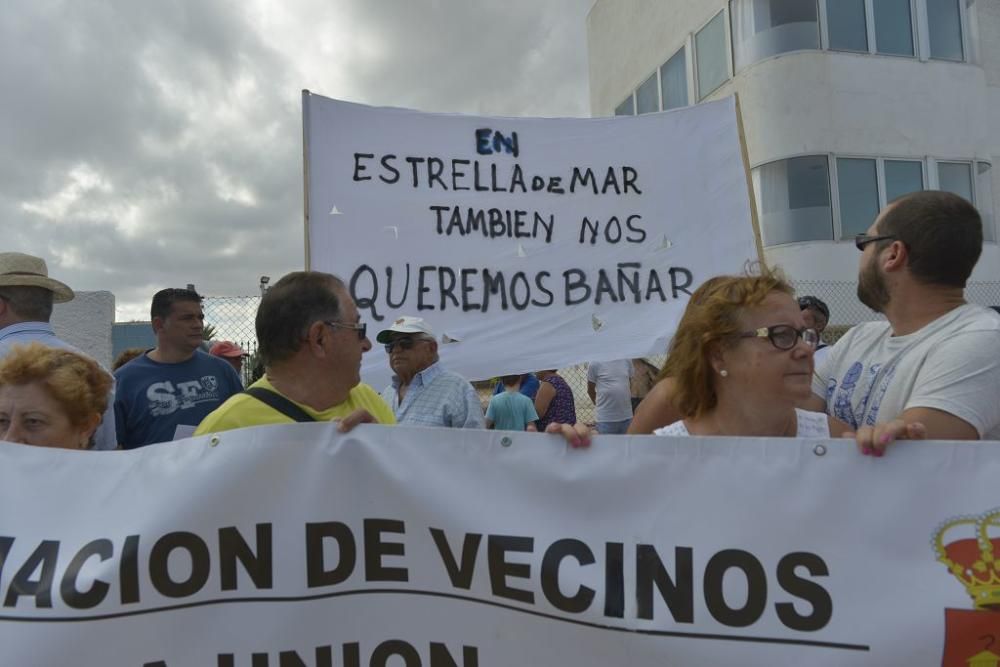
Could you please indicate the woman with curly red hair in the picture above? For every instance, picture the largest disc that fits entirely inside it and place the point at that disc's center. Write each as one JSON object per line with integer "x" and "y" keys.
{"x": 51, "y": 397}
{"x": 741, "y": 359}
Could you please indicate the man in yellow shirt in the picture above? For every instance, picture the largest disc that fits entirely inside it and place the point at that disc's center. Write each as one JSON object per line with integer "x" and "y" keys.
{"x": 311, "y": 339}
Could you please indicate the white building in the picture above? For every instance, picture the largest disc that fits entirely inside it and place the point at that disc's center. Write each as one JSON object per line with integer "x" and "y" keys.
{"x": 846, "y": 104}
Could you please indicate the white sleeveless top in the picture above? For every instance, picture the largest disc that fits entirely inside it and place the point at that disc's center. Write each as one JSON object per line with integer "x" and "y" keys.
{"x": 810, "y": 425}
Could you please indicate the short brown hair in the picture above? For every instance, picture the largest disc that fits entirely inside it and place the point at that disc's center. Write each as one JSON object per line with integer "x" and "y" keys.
{"x": 76, "y": 382}
{"x": 164, "y": 300}
{"x": 33, "y": 304}
{"x": 712, "y": 318}
{"x": 290, "y": 307}
{"x": 942, "y": 232}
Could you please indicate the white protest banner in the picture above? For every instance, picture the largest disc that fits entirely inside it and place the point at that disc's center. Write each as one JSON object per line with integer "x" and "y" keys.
{"x": 534, "y": 243}
{"x": 387, "y": 547}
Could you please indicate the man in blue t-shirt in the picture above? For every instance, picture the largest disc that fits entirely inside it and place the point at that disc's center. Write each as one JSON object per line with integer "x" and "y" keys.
{"x": 164, "y": 394}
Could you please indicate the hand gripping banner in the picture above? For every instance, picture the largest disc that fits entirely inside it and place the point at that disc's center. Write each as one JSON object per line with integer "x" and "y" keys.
{"x": 294, "y": 545}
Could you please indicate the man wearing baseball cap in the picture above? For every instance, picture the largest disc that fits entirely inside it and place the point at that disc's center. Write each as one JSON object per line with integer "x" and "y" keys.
{"x": 230, "y": 352}
{"x": 422, "y": 392}
{"x": 27, "y": 295}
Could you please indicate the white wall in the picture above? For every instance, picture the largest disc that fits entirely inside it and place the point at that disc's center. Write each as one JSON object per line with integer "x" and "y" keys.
{"x": 829, "y": 260}
{"x": 86, "y": 323}
{"x": 628, "y": 39}
{"x": 825, "y": 102}
{"x": 987, "y": 16}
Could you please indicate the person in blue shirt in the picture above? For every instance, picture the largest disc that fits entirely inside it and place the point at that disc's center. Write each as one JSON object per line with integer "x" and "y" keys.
{"x": 27, "y": 295}
{"x": 511, "y": 410}
{"x": 529, "y": 386}
{"x": 164, "y": 394}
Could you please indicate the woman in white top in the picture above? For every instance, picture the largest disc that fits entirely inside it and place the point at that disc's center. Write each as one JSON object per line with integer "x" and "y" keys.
{"x": 740, "y": 361}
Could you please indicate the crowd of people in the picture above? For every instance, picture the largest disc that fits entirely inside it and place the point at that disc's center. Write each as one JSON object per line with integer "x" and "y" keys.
{"x": 746, "y": 360}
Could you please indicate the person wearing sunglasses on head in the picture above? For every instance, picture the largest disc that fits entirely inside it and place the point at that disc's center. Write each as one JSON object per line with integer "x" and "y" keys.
{"x": 816, "y": 315}
{"x": 310, "y": 338}
{"x": 423, "y": 392}
{"x": 936, "y": 360}
{"x": 742, "y": 360}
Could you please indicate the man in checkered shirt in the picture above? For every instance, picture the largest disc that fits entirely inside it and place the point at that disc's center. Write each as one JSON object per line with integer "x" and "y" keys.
{"x": 422, "y": 392}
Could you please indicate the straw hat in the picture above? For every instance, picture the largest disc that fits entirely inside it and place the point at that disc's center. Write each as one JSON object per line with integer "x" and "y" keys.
{"x": 20, "y": 270}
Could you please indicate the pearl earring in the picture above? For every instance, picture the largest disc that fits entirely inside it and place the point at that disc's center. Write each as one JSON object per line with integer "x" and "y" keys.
{"x": 724, "y": 373}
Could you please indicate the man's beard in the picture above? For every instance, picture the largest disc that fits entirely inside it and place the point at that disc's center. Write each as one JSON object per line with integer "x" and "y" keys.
{"x": 872, "y": 290}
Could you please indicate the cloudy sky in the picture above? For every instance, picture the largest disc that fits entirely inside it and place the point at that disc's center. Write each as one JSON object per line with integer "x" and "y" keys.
{"x": 154, "y": 144}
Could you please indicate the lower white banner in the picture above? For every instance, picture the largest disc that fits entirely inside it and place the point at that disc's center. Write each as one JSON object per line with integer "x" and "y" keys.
{"x": 294, "y": 546}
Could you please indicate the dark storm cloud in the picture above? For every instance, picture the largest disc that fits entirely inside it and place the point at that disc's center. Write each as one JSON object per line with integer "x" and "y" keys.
{"x": 150, "y": 144}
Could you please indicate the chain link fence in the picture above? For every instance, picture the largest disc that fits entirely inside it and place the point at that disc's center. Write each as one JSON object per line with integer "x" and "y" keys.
{"x": 233, "y": 320}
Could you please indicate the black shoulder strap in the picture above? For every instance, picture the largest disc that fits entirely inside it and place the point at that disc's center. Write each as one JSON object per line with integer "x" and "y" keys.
{"x": 279, "y": 403}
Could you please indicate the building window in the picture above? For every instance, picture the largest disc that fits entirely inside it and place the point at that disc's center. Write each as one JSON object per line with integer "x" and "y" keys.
{"x": 763, "y": 28}
{"x": 902, "y": 177}
{"x": 793, "y": 196}
{"x": 673, "y": 81}
{"x": 857, "y": 185}
{"x": 893, "y": 27}
{"x": 847, "y": 25}
{"x": 984, "y": 199}
{"x": 710, "y": 56}
{"x": 944, "y": 23}
{"x": 861, "y": 192}
{"x": 647, "y": 97}
{"x": 956, "y": 177}
{"x": 626, "y": 108}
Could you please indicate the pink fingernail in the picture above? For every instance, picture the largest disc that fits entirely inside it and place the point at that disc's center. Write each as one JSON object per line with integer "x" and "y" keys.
{"x": 866, "y": 450}
{"x": 885, "y": 439}
{"x": 878, "y": 453}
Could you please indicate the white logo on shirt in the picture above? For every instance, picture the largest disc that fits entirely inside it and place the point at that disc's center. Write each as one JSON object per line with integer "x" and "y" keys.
{"x": 165, "y": 399}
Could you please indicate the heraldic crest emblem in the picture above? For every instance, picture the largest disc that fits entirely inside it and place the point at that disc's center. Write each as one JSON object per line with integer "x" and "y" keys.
{"x": 970, "y": 548}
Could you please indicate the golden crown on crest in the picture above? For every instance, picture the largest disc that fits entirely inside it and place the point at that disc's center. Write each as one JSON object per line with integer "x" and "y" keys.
{"x": 972, "y": 559}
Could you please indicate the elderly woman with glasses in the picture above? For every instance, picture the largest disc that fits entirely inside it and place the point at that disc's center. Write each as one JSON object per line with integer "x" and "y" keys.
{"x": 742, "y": 359}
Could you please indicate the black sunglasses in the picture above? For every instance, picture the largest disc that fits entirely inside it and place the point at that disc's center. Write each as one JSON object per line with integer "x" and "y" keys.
{"x": 815, "y": 304}
{"x": 403, "y": 343}
{"x": 361, "y": 328}
{"x": 861, "y": 240}
{"x": 784, "y": 336}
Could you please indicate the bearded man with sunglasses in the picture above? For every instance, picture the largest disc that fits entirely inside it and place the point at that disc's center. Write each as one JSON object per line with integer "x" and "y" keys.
{"x": 422, "y": 392}
{"x": 311, "y": 338}
{"x": 936, "y": 360}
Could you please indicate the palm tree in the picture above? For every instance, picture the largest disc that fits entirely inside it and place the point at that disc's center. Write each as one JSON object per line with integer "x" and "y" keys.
{"x": 208, "y": 333}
